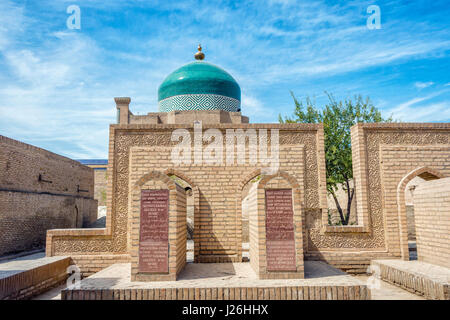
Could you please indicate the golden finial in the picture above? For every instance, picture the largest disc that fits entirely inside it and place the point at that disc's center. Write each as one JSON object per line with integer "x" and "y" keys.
{"x": 199, "y": 55}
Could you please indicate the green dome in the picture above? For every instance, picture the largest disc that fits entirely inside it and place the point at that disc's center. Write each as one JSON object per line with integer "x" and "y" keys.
{"x": 199, "y": 86}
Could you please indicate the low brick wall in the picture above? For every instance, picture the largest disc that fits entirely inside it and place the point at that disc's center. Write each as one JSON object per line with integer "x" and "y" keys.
{"x": 417, "y": 277}
{"x": 224, "y": 281}
{"x": 432, "y": 217}
{"x": 37, "y": 277}
{"x": 270, "y": 293}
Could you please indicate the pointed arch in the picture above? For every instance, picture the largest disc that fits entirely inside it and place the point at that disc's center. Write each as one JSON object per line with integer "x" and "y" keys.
{"x": 425, "y": 173}
{"x": 173, "y": 172}
{"x": 155, "y": 175}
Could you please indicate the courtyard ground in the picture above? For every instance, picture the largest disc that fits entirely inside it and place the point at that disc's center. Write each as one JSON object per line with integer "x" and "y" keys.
{"x": 385, "y": 292}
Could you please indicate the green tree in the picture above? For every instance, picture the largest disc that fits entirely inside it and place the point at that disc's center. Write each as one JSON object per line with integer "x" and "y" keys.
{"x": 337, "y": 118}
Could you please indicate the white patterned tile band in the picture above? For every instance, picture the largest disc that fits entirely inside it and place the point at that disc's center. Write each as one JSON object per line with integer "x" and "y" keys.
{"x": 199, "y": 102}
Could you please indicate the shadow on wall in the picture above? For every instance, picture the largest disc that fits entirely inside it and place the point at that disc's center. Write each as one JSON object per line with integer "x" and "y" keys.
{"x": 44, "y": 212}
{"x": 210, "y": 248}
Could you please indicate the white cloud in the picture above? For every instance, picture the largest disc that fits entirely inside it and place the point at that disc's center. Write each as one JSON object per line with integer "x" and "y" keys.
{"x": 253, "y": 107}
{"x": 61, "y": 83}
{"x": 414, "y": 110}
{"x": 252, "y": 103}
{"x": 423, "y": 85}
{"x": 430, "y": 112}
{"x": 12, "y": 22}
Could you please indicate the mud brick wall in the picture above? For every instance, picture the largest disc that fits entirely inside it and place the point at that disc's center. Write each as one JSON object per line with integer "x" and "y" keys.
{"x": 29, "y": 206}
{"x": 432, "y": 217}
{"x": 100, "y": 178}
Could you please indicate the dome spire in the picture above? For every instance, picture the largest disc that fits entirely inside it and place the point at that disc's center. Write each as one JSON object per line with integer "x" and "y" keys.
{"x": 199, "y": 55}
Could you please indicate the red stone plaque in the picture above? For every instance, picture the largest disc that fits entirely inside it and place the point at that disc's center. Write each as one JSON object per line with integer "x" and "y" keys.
{"x": 154, "y": 232}
{"x": 280, "y": 237}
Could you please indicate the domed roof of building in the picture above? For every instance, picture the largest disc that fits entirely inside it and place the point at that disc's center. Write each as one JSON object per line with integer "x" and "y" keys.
{"x": 199, "y": 85}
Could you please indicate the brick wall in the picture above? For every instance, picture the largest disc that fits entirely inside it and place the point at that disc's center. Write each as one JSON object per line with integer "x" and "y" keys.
{"x": 33, "y": 278}
{"x": 253, "y": 227}
{"x": 219, "y": 232}
{"x": 29, "y": 206}
{"x": 432, "y": 217}
{"x": 100, "y": 179}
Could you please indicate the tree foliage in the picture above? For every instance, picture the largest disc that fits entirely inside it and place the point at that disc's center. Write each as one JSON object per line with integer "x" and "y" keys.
{"x": 337, "y": 118}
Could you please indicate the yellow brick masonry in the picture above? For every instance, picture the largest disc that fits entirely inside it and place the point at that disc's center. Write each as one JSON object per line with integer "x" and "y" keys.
{"x": 432, "y": 220}
{"x": 223, "y": 293}
{"x": 431, "y": 281}
{"x": 36, "y": 275}
{"x": 379, "y": 160}
{"x": 29, "y": 206}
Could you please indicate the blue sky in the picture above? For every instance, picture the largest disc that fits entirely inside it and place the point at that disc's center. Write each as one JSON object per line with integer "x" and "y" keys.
{"x": 57, "y": 85}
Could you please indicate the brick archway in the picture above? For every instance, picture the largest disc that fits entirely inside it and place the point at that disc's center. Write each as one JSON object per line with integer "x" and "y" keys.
{"x": 196, "y": 193}
{"x": 425, "y": 173}
{"x": 252, "y": 175}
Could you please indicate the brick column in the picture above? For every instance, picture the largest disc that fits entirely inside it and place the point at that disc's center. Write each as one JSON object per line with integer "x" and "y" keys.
{"x": 258, "y": 230}
{"x": 123, "y": 109}
{"x": 176, "y": 227}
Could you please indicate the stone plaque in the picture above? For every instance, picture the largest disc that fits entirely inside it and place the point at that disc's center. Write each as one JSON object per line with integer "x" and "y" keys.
{"x": 280, "y": 237}
{"x": 154, "y": 232}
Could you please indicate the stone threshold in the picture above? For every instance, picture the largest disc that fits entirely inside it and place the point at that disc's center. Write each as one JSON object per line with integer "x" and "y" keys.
{"x": 418, "y": 277}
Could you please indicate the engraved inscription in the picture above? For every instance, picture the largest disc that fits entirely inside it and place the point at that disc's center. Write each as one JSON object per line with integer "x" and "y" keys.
{"x": 280, "y": 237}
{"x": 154, "y": 232}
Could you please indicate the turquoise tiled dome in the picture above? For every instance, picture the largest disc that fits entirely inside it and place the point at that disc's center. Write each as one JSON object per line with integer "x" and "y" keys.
{"x": 199, "y": 86}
